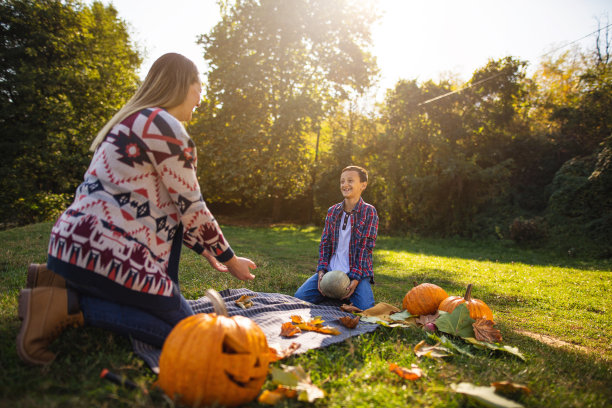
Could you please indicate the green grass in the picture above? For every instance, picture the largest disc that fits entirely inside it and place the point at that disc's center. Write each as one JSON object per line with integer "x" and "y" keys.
{"x": 531, "y": 293}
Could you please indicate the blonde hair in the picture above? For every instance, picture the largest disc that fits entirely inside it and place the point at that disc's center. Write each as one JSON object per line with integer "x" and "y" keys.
{"x": 165, "y": 86}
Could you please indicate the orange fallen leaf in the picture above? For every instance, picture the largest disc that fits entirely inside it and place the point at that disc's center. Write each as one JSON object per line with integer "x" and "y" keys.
{"x": 414, "y": 373}
{"x": 274, "y": 396}
{"x": 270, "y": 397}
{"x": 289, "y": 330}
{"x": 297, "y": 319}
{"x": 350, "y": 309}
{"x": 316, "y": 321}
{"x": 327, "y": 330}
{"x": 245, "y": 301}
{"x": 350, "y": 322}
{"x": 275, "y": 355}
{"x": 510, "y": 388}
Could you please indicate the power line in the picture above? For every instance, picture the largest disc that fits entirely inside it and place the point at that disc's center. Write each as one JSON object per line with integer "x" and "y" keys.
{"x": 500, "y": 73}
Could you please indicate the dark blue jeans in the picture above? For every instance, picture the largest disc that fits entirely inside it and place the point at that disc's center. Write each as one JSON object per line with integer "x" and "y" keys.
{"x": 362, "y": 297}
{"x": 150, "y": 326}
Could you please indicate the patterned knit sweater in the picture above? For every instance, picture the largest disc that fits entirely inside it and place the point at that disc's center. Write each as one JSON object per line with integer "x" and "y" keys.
{"x": 139, "y": 199}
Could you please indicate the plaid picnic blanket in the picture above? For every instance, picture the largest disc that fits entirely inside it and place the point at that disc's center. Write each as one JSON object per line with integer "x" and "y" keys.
{"x": 270, "y": 311}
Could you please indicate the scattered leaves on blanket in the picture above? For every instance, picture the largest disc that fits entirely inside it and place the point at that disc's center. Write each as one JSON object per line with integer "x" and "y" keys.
{"x": 295, "y": 378}
{"x": 316, "y": 321}
{"x": 315, "y": 324}
{"x": 273, "y": 397}
{"x": 276, "y": 355}
{"x": 510, "y": 389}
{"x": 496, "y": 347}
{"x": 427, "y": 319}
{"x": 289, "y": 330}
{"x": 350, "y": 322}
{"x": 436, "y": 351}
{"x": 411, "y": 374}
{"x": 326, "y": 330}
{"x": 458, "y": 323}
{"x": 245, "y": 301}
{"x": 484, "y": 331}
{"x": 484, "y": 395}
{"x": 350, "y": 309}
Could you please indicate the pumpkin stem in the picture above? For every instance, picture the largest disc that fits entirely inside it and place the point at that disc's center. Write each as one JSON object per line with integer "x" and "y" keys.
{"x": 217, "y": 302}
{"x": 468, "y": 292}
{"x": 415, "y": 284}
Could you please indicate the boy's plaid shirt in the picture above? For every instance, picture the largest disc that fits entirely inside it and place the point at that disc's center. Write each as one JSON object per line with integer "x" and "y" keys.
{"x": 364, "y": 220}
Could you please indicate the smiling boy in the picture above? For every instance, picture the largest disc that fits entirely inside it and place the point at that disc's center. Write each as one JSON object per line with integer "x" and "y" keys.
{"x": 346, "y": 244}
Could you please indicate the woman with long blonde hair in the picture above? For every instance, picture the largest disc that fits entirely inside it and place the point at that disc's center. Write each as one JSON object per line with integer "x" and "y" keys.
{"x": 113, "y": 254}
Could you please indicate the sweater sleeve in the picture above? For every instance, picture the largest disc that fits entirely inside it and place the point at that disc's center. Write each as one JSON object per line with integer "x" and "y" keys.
{"x": 174, "y": 156}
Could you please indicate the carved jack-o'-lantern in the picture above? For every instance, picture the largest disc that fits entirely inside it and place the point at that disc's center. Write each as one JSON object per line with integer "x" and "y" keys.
{"x": 214, "y": 359}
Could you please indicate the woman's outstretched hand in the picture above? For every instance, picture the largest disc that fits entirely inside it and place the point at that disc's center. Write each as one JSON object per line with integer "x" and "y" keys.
{"x": 240, "y": 268}
{"x": 214, "y": 263}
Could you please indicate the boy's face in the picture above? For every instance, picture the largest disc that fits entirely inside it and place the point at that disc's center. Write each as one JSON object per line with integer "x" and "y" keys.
{"x": 350, "y": 185}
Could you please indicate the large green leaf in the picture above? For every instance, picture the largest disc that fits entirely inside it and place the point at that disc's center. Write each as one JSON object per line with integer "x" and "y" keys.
{"x": 485, "y": 396}
{"x": 496, "y": 347}
{"x": 458, "y": 323}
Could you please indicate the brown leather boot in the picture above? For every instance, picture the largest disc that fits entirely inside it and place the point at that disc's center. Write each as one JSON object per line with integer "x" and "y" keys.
{"x": 39, "y": 275}
{"x": 45, "y": 312}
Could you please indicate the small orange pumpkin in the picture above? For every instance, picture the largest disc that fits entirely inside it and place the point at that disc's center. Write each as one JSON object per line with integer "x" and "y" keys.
{"x": 214, "y": 359}
{"x": 477, "y": 308}
{"x": 424, "y": 299}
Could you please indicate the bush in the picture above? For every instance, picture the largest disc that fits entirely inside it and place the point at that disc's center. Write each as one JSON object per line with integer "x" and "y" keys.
{"x": 530, "y": 231}
{"x": 39, "y": 207}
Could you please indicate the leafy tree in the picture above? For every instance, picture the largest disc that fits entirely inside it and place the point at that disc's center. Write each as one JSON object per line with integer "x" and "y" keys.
{"x": 65, "y": 68}
{"x": 277, "y": 68}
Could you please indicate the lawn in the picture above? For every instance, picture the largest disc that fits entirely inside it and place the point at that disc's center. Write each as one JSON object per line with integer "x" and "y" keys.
{"x": 557, "y": 310}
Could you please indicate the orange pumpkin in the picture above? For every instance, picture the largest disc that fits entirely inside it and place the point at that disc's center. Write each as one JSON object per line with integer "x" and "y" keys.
{"x": 214, "y": 359}
{"x": 477, "y": 308}
{"x": 424, "y": 299}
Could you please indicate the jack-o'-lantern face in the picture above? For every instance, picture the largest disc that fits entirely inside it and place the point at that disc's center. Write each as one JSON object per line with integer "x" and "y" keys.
{"x": 209, "y": 359}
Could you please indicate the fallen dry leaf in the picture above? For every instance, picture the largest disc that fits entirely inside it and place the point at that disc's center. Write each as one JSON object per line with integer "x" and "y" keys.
{"x": 316, "y": 321}
{"x": 297, "y": 325}
{"x": 350, "y": 322}
{"x": 435, "y": 351}
{"x": 426, "y": 319}
{"x": 289, "y": 330}
{"x": 327, "y": 330}
{"x": 295, "y": 378}
{"x": 245, "y": 301}
{"x": 350, "y": 309}
{"x": 297, "y": 319}
{"x": 381, "y": 310}
{"x": 484, "y": 331}
{"x": 411, "y": 374}
{"x": 275, "y": 355}
{"x": 510, "y": 389}
{"x": 274, "y": 396}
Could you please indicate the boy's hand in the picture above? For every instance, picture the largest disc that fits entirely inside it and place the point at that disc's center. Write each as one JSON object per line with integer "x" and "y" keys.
{"x": 239, "y": 267}
{"x": 321, "y": 273}
{"x": 351, "y": 289}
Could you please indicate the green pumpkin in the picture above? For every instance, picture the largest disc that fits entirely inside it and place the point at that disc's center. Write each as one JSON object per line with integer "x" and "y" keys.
{"x": 334, "y": 284}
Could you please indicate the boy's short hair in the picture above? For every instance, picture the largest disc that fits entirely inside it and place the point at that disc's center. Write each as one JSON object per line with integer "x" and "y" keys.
{"x": 363, "y": 174}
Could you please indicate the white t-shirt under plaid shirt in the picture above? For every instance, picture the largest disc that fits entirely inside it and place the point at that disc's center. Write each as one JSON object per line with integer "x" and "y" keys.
{"x": 340, "y": 259}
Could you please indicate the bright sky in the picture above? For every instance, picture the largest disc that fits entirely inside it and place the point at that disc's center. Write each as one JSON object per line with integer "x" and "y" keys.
{"x": 422, "y": 40}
